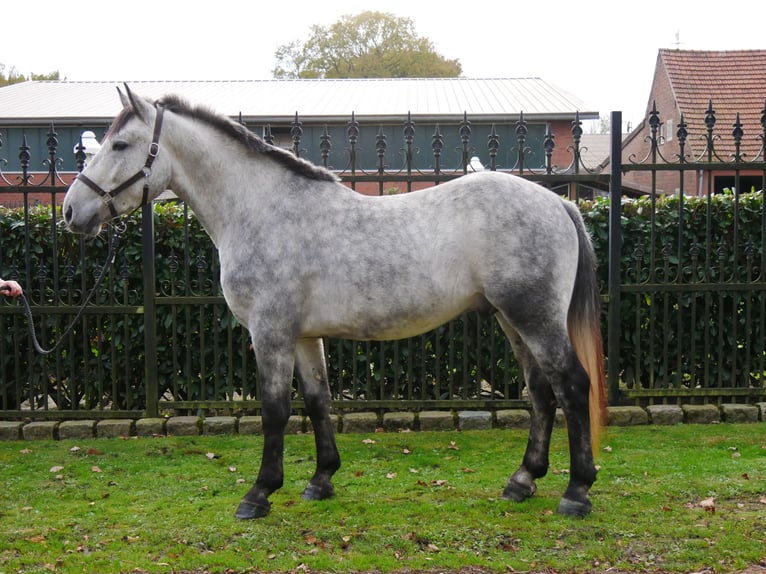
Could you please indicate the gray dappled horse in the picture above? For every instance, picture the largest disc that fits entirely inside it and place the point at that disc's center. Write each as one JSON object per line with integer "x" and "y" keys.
{"x": 304, "y": 257}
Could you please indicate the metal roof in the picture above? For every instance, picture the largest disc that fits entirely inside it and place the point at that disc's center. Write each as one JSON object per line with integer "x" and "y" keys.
{"x": 491, "y": 99}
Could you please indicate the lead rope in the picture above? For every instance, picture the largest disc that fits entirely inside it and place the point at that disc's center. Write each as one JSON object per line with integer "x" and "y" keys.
{"x": 119, "y": 231}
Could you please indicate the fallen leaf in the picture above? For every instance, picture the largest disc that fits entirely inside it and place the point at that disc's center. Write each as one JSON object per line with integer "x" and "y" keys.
{"x": 414, "y": 470}
{"x": 25, "y": 451}
{"x": 232, "y": 469}
{"x": 406, "y": 451}
{"x": 211, "y": 455}
{"x": 57, "y": 468}
{"x": 74, "y": 449}
{"x": 607, "y": 449}
{"x": 94, "y": 452}
{"x": 453, "y": 445}
{"x": 736, "y": 455}
{"x": 95, "y": 469}
{"x": 708, "y": 504}
{"x": 368, "y": 441}
{"x": 391, "y": 475}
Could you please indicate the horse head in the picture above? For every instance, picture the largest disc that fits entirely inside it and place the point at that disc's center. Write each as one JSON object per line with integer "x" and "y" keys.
{"x": 126, "y": 173}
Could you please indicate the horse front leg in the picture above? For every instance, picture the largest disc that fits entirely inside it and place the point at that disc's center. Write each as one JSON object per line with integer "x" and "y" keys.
{"x": 312, "y": 369}
{"x": 275, "y": 367}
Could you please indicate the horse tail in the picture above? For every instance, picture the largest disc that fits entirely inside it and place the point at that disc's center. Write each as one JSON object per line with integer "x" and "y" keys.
{"x": 584, "y": 324}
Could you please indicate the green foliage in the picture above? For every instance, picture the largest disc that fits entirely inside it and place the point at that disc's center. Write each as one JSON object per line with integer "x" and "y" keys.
{"x": 202, "y": 352}
{"x": 679, "y": 329}
{"x": 14, "y": 76}
{"x": 694, "y": 315}
{"x": 367, "y": 45}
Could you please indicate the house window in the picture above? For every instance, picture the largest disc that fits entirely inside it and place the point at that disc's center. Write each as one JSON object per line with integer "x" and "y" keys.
{"x": 669, "y": 130}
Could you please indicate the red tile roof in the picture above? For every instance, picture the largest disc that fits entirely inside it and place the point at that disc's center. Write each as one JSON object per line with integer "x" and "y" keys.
{"x": 734, "y": 81}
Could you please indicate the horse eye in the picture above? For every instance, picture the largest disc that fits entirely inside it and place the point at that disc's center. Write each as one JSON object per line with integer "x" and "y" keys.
{"x": 119, "y": 145}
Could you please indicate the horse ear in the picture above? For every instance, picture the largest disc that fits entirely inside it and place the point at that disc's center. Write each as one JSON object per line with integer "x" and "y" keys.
{"x": 139, "y": 105}
{"x": 124, "y": 100}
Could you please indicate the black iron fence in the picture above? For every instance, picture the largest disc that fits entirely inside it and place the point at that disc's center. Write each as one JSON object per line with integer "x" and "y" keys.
{"x": 685, "y": 307}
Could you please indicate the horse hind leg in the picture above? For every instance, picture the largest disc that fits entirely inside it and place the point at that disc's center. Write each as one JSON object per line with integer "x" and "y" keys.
{"x": 312, "y": 370}
{"x": 521, "y": 485}
{"x": 556, "y": 377}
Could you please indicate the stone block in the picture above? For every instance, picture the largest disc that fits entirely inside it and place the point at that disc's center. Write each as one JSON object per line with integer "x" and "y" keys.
{"x": 739, "y": 413}
{"x": 115, "y": 428}
{"x": 334, "y": 420}
{"x": 513, "y": 419}
{"x": 295, "y": 425}
{"x": 474, "y": 420}
{"x": 761, "y": 410}
{"x": 360, "y": 422}
{"x": 183, "y": 426}
{"x": 150, "y": 427}
{"x": 626, "y": 416}
{"x": 40, "y": 430}
{"x": 77, "y": 429}
{"x": 436, "y": 421}
{"x": 701, "y": 414}
{"x": 219, "y": 425}
{"x": 397, "y": 422}
{"x": 665, "y": 414}
{"x": 10, "y": 430}
{"x": 251, "y": 424}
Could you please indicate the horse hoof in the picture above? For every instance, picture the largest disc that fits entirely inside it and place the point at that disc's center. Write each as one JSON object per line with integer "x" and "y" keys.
{"x": 517, "y": 491}
{"x": 573, "y": 508}
{"x": 314, "y": 492}
{"x": 248, "y": 510}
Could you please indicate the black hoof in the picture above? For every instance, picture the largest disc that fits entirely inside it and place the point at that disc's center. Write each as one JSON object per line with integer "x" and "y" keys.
{"x": 574, "y": 508}
{"x": 314, "y": 492}
{"x": 248, "y": 510}
{"x": 518, "y": 492}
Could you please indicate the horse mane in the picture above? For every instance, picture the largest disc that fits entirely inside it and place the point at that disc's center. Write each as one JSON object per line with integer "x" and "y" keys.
{"x": 247, "y": 138}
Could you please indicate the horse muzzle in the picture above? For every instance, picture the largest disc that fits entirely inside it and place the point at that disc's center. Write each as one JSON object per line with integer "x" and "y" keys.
{"x": 82, "y": 219}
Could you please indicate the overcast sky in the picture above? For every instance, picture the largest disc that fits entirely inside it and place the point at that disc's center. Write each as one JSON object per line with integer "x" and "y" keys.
{"x": 603, "y": 52}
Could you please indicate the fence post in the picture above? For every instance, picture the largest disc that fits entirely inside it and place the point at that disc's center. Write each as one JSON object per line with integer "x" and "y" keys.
{"x": 150, "y": 316}
{"x": 615, "y": 240}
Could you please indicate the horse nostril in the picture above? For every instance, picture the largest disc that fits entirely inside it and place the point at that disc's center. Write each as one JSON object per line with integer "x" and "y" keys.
{"x": 68, "y": 215}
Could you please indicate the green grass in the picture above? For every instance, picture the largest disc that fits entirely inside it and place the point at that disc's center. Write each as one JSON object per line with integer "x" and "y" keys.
{"x": 408, "y": 501}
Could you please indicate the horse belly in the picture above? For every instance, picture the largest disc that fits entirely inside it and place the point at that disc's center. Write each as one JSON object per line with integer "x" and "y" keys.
{"x": 366, "y": 319}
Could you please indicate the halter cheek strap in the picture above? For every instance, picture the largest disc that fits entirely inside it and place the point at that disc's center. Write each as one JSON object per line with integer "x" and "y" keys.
{"x": 143, "y": 173}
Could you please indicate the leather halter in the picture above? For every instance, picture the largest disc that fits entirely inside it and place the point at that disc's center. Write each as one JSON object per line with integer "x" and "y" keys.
{"x": 143, "y": 173}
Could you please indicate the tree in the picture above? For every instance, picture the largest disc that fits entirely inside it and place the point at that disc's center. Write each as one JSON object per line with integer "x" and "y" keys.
{"x": 368, "y": 45}
{"x": 14, "y": 76}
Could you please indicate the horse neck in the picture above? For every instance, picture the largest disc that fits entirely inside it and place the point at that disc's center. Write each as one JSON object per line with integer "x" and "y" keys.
{"x": 216, "y": 177}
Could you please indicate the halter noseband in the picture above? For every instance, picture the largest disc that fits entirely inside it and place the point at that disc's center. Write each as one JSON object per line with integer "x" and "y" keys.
{"x": 143, "y": 173}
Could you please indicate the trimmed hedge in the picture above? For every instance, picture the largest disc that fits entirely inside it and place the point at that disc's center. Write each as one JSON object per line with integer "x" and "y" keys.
{"x": 681, "y": 338}
{"x": 697, "y": 318}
